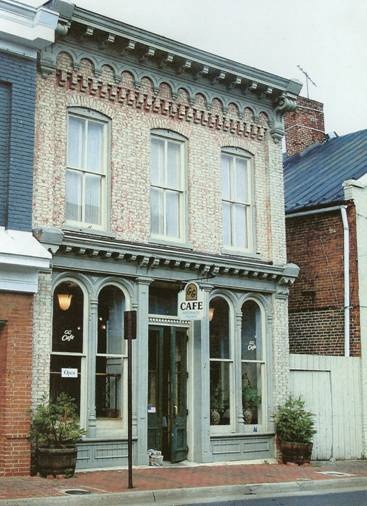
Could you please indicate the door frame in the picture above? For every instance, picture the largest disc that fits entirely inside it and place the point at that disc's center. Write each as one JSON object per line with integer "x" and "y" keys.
{"x": 159, "y": 321}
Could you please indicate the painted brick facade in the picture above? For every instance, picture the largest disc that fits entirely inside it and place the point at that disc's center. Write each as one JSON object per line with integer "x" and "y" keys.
{"x": 316, "y": 303}
{"x": 17, "y": 95}
{"x": 15, "y": 382}
{"x": 129, "y": 177}
{"x": 304, "y": 126}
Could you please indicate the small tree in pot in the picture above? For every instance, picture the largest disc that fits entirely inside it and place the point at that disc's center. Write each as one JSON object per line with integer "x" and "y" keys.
{"x": 54, "y": 432}
{"x": 295, "y": 429}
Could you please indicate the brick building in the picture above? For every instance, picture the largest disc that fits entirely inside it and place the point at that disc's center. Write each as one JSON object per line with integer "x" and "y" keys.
{"x": 325, "y": 225}
{"x": 23, "y": 31}
{"x": 157, "y": 164}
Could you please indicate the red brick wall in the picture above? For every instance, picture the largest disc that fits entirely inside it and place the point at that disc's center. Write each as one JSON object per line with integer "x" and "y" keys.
{"x": 15, "y": 382}
{"x": 316, "y": 301}
{"x": 305, "y": 126}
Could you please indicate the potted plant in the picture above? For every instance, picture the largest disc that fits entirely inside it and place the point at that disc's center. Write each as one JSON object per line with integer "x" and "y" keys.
{"x": 250, "y": 401}
{"x": 295, "y": 428}
{"x": 54, "y": 432}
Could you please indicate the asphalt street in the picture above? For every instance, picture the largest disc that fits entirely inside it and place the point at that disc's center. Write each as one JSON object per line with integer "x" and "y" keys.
{"x": 353, "y": 498}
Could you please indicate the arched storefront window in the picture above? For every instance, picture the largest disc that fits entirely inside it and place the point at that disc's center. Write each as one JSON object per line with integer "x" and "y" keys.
{"x": 67, "y": 356}
{"x": 220, "y": 363}
{"x": 253, "y": 363}
{"x": 110, "y": 354}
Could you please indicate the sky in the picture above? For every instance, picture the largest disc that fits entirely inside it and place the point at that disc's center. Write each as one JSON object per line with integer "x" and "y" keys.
{"x": 327, "y": 38}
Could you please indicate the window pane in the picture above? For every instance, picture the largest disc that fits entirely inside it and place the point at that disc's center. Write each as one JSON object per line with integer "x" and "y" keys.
{"x": 172, "y": 214}
{"x": 111, "y": 306}
{"x": 73, "y": 196}
{"x": 241, "y": 185}
{"x": 219, "y": 393}
{"x": 225, "y": 163}
{"x": 163, "y": 299}
{"x": 251, "y": 338}
{"x": 93, "y": 199}
{"x": 173, "y": 165}
{"x": 75, "y": 141}
{"x": 157, "y": 162}
{"x": 108, "y": 387}
{"x": 219, "y": 329}
{"x": 156, "y": 211}
{"x": 68, "y": 385}
{"x": 67, "y": 331}
{"x": 251, "y": 393}
{"x": 94, "y": 146}
{"x": 226, "y": 224}
{"x": 240, "y": 232}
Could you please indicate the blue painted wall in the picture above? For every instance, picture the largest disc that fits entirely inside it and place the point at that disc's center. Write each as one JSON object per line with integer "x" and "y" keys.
{"x": 17, "y": 105}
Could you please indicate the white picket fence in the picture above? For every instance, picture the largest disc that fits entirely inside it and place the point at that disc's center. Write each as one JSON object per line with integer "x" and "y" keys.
{"x": 331, "y": 387}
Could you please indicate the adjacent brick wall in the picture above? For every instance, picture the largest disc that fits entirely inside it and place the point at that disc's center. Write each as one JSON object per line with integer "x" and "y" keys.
{"x": 305, "y": 126}
{"x": 17, "y": 96}
{"x": 316, "y": 302}
{"x": 15, "y": 382}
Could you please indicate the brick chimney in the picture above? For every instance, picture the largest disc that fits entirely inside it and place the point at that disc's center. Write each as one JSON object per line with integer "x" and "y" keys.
{"x": 305, "y": 126}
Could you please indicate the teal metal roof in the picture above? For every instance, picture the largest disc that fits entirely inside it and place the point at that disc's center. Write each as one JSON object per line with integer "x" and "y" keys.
{"x": 314, "y": 177}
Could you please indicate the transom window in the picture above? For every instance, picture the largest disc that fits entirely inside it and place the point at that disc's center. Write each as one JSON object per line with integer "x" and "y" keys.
{"x": 86, "y": 169}
{"x": 236, "y": 201}
{"x": 167, "y": 188}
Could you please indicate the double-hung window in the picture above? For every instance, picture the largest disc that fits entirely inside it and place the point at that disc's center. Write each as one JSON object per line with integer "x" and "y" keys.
{"x": 85, "y": 187}
{"x": 167, "y": 185}
{"x": 237, "y": 206}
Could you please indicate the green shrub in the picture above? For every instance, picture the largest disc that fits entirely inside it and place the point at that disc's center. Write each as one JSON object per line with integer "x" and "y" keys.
{"x": 56, "y": 424}
{"x": 293, "y": 423}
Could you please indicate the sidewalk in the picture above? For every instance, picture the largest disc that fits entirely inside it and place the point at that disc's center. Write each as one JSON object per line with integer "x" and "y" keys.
{"x": 231, "y": 478}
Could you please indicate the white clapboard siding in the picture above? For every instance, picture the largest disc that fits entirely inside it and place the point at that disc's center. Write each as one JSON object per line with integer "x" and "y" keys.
{"x": 331, "y": 387}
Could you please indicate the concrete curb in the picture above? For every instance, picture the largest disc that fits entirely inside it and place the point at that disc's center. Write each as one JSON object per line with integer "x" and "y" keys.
{"x": 204, "y": 494}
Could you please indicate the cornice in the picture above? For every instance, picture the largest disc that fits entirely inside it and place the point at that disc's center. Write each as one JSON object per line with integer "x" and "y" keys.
{"x": 151, "y": 257}
{"x": 87, "y": 35}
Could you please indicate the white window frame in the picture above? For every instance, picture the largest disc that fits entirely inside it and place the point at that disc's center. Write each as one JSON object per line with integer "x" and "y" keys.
{"x": 260, "y": 427}
{"x": 226, "y": 429}
{"x": 168, "y": 136}
{"x": 88, "y": 115}
{"x": 235, "y": 154}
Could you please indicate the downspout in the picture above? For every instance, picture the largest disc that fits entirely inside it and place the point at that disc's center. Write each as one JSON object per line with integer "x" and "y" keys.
{"x": 343, "y": 211}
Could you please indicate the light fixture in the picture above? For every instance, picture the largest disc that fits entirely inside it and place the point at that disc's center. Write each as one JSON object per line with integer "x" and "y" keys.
{"x": 210, "y": 313}
{"x": 64, "y": 300}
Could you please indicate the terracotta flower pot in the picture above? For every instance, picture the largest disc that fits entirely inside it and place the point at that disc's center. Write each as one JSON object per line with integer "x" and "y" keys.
{"x": 56, "y": 461}
{"x": 298, "y": 453}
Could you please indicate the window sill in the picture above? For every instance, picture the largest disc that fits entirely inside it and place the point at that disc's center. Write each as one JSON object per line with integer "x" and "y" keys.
{"x": 240, "y": 253}
{"x": 168, "y": 242}
{"x": 242, "y": 434}
{"x": 89, "y": 231}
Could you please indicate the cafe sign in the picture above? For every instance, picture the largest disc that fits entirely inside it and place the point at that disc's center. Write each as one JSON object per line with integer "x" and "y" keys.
{"x": 191, "y": 303}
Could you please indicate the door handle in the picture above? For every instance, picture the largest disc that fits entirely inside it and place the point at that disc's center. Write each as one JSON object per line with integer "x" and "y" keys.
{"x": 175, "y": 410}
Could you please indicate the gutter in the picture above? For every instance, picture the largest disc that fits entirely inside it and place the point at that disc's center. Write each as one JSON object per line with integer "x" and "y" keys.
{"x": 343, "y": 212}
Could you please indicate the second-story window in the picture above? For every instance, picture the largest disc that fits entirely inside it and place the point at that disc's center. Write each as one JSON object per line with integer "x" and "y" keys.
{"x": 237, "y": 198}
{"x": 85, "y": 188}
{"x": 167, "y": 188}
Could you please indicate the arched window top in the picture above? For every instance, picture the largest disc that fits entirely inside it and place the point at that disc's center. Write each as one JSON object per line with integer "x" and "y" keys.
{"x": 219, "y": 329}
{"x": 88, "y": 112}
{"x": 111, "y": 307}
{"x": 234, "y": 150}
{"x": 169, "y": 134}
{"x": 251, "y": 338}
{"x": 68, "y": 302}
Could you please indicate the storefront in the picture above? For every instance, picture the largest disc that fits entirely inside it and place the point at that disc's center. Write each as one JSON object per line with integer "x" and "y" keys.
{"x": 203, "y": 390}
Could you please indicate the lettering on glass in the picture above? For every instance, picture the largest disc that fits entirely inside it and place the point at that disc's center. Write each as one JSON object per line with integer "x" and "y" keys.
{"x": 67, "y": 335}
{"x": 251, "y": 346}
{"x": 68, "y": 372}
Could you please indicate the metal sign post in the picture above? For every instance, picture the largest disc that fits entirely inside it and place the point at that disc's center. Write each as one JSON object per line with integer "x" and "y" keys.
{"x": 130, "y": 334}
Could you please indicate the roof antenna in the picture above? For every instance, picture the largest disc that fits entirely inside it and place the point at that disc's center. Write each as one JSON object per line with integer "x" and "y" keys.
{"x": 308, "y": 78}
